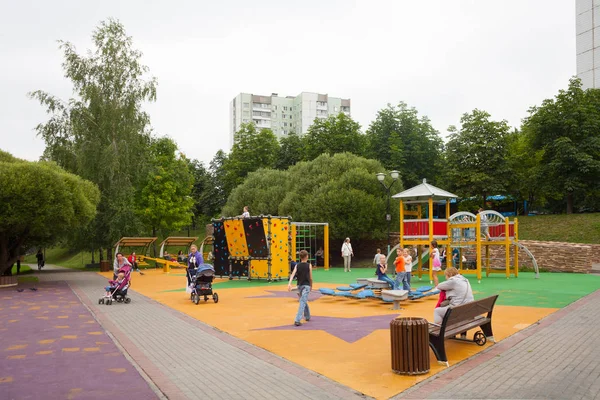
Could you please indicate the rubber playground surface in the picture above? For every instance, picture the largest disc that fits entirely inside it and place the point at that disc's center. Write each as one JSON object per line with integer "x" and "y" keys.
{"x": 348, "y": 340}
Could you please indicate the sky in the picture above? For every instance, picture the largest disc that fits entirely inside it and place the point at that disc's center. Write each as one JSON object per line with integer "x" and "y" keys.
{"x": 443, "y": 57}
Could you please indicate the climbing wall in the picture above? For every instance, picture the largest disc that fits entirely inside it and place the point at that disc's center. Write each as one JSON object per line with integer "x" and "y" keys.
{"x": 255, "y": 247}
{"x": 236, "y": 241}
{"x": 256, "y": 239}
{"x": 220, "y": 250}
{"x": 280, "y": 247}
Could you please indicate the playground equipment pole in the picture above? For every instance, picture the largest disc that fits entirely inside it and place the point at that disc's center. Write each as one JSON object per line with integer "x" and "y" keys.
{"x": 381, "y": 177}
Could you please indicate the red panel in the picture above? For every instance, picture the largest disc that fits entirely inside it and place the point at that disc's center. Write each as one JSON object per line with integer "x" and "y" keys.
{"x": 440, "y": 228}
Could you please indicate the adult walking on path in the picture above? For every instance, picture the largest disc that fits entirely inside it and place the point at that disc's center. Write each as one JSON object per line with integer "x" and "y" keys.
{"x": 347, "y": 254}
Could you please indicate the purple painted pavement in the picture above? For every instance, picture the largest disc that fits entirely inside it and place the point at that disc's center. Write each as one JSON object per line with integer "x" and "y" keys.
{"x": 312, "y": 296}
{"x": 52, "y": 348}
{"x": 347, "y": 329}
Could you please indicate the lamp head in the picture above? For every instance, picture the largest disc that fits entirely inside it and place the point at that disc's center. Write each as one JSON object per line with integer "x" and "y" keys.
{"x": 380, "y": 177}
{"x": 394, "y": 174}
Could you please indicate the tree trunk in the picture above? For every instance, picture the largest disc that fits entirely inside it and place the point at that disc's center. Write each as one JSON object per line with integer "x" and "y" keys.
{"x": 484, "y": 197}
{"x": 93, "y": 262}
{"x": 569, "y": 202}
{"x": 8, "y": 252}
{"x": 109, "y": 254}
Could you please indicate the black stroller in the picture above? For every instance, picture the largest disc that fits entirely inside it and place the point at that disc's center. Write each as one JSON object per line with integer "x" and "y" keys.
{"x": 201, "y": 283}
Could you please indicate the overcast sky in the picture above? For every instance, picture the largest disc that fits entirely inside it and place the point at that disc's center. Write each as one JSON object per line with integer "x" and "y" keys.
{"x": 444, "y": 57}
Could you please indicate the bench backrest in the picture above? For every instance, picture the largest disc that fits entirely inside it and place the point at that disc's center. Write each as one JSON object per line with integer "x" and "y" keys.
{"x": 469, "y": 311}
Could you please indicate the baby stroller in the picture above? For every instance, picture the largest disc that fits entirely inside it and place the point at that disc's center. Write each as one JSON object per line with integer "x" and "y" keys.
{"x": 200, "y": 280}
{"x": 118, "y": 290}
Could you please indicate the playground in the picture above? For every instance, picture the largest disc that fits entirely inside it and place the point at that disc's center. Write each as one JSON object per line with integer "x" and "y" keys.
{"x": 348, "y": 336}
{"x": 348, "y": 340}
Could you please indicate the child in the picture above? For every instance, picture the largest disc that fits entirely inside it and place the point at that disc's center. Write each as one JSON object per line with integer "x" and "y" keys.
{"x": 400, "y": 270}
{"x": 376, "y": 258}
{"x": 407, "y": 266}
{"x": 304, "y": 271}
{"x": 437, "y": 264}
{"x": 119, "y": 283}
{"x": 381, "y": 272}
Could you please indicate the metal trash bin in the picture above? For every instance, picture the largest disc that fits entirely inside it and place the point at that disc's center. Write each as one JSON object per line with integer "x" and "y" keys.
{"x": 410, "y": 346}
{"x": 104, "y": 266}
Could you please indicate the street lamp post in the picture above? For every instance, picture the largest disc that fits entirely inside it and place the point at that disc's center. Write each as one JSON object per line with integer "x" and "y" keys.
{"x": 388, "y": 216}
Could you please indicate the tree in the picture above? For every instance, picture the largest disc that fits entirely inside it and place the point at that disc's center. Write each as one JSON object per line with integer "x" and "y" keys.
{"x": 336, "y": 134}
{"x": 262, "y": 191}
{"x": 566, "y": 130}
{"x": 339, "y": 189}
{"x": 40, "y": 204}
{"x": 205, "y": 194}
{"x": 102, "y": 134}
{"x": 524, "y": 181}
{"x": 403, "y": 141}
{"x": 476, "y": 156}
{"x": 291, "y": 151}
{"x": 165, "y": 202}
{"x": 251, "y": 150}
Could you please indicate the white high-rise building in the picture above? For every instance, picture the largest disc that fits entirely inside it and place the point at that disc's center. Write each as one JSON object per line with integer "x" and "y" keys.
{"x": 588, "y": 42}
{"x": 283, "y": 115}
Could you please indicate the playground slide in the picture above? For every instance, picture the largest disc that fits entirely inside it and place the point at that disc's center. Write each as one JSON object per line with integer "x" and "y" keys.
{"x": 533, "y": 261}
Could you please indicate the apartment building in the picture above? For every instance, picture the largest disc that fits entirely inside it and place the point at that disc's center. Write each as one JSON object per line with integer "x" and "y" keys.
{"x": 588, "y": 42}
{"x": 283, "y": 115}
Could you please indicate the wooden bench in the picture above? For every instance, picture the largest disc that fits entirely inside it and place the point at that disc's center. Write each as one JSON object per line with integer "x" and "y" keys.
{"x": 459, "y": 320}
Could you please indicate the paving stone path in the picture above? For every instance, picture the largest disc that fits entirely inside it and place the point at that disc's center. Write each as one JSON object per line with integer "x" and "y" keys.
{"x": 187, "y": 359}
{"x": 53, "y": 348}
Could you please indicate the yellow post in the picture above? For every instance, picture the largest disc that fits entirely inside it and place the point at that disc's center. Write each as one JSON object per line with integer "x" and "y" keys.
{"x": 166, "y": 268}
{"x": 401, "y": 224}
{"x": 507, "y": 246}
{"x": 326, "y": 246}
{"x": 487, "y": 260}
{"x": 430, "y": 217}
{"x": 516, "y": 248}
{"x": 293, "y": 252}
{"x": 419, "y": 261}
{"x": 449, "y": 233}
{"x": 478, "y": 245}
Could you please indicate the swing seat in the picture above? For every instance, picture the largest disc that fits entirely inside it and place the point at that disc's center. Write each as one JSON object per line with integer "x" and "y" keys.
{"x": 327, "y": 291}
{"x": 424, "y": 289}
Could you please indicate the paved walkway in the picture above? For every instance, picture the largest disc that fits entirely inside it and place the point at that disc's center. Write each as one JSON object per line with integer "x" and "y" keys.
{"x": 188, "y": 359}
{"x": 182, "y": 358}
{"x": 52, "y": 347}
{"x": 559, "y": 358}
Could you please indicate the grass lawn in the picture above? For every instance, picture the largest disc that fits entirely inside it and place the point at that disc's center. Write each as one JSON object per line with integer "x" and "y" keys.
{"x": 65, "y": 258}
{"x": 574, "y": 228}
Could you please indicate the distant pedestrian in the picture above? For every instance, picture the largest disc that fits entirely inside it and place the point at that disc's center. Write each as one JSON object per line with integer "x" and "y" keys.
{"x": 246, "y": 213}
{"x": 407, "y": 266}
{"x": 401, "y": 270}
{"x": 485, "y": 229}
{"x": 19, "y": 264}
{"x": 347, "y": 254}
{"x": 305, "y": 281}
{"x": 437, "y": 263}
{"x": 376, "y": 258}
{"x": 40, "y": 259}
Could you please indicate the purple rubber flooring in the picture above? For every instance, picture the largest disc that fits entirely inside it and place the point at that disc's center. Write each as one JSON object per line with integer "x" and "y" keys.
{"x": 52, "y": 348}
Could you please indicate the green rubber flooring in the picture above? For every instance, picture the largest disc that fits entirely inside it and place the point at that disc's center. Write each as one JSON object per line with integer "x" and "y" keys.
{"x": 551, "y": 290}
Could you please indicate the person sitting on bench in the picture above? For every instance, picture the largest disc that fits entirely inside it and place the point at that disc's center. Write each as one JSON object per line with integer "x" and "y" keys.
{"x": 458, "y": 291}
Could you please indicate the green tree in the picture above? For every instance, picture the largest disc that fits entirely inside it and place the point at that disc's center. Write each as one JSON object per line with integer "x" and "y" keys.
{"x": 524, "y": 181}
{"x": 251, "y": 150}
{"x": 336, "y": 134}
{"x": 566, "y": 130}
{"x": 262, "y": 191}
{"x": 40, "y": 204}
{"x": 291, "y": 151}
{"x": 205, "y": 194}
{"x": 341, "y": 189}
{"x": 165, "y": 202}
{"x": 102, "y": 134}
{"x": 476, "y": 156}
{"x": 403, "y": 141}
{"x": 218, "y": 174}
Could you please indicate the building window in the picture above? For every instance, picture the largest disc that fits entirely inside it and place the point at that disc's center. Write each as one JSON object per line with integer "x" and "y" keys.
{"x": 246, "y": 105}
{"x": 284, "y": 108}
{"x": 274, "y": 108}
{"x": 335, "y": 109}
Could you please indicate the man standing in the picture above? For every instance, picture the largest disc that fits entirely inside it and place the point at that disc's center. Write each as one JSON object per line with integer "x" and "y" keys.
{"x": 347, "y": 254}
{"x": 304, "y": 271}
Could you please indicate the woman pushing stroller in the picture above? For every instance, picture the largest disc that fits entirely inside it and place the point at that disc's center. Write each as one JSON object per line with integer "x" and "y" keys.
{"x": 117, "y": 287}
